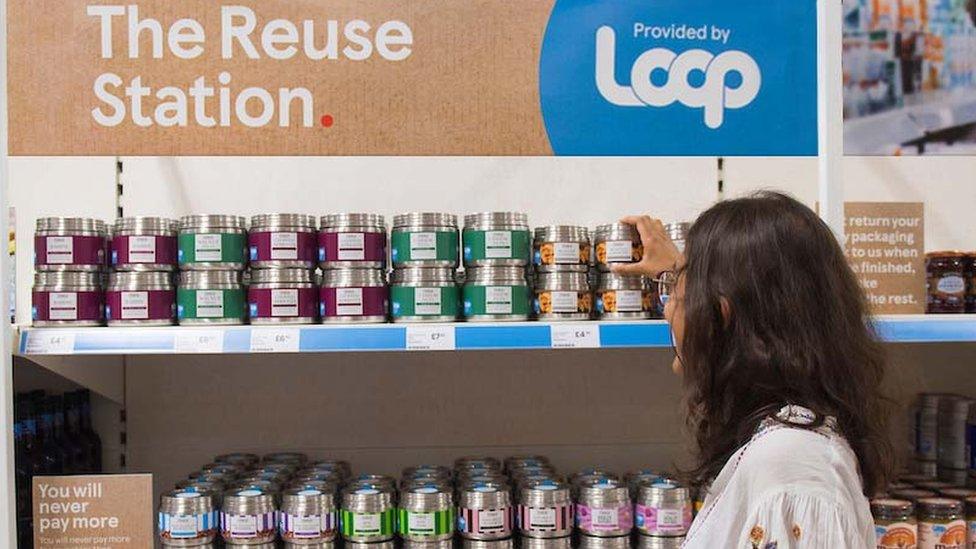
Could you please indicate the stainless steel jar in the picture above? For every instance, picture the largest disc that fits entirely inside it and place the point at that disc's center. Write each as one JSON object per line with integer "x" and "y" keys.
{"x": 424, "y": 295}
{"x": 280, "y": 241}
{"x": 187, "y": 518}
{"x": 678, "y": 232}
{"x": 67, "y": 298}
{"x": 485, "y": 511}
{"x": 353, "y": 295}
{"x": 140, "y": 298}
{"x": 211, "y": 297}
{"x": 953, "y": 413}
{"x": 561, "y": 248}
{"x": 925, "y": 426}
{"x": 621, "y": 297}
{"x": 477, "y": 462}
{"x": 663, "y": 508}
{"x": 212, "y": 242}
{"x": 494, "y": 239}
{"x": 248, "y": 517}
{"x": 424, "y": 240}
{"x": 616, "y": 243}
{"x": 604, "y": 509}
{"x": 282, "y": 296}
{"x": 426, "y": 513}
{"x": 517, "y": 462}
{"x": 69, "y": 244}
{"x": 144, "y": 243}
{"x": 496, "y": 294}
{"x": 352, "y": 240}
{"x": 545, "y": 510}
{"x": 367, "y": 513}
{"x": 563, "y": 295}
{"x": 308, "y": 514}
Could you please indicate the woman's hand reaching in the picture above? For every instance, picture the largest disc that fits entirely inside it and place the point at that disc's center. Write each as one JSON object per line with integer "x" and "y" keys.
{"x": 660, "y": 253}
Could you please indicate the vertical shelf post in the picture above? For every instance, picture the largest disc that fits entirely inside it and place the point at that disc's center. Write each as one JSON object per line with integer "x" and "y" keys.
{"x": 830, "y": 114}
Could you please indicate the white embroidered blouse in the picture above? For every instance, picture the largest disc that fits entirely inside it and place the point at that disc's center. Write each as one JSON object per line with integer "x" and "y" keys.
{"x": 787, "y": 488}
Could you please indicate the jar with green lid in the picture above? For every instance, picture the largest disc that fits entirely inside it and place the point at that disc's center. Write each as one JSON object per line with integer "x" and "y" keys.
{"x": 212, "y": 243}
{"x": 941, "y": 524}
{"x": 420, "y": 294}
{"x": 496, "y": 239}
{"x": 497, "y": 294}
{"x": 424, "y": 240}
{"x": 211, "y": 297}
{"x": 895, "y": 526}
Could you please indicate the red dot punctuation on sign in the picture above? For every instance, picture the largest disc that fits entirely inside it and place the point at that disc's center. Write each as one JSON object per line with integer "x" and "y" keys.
{"x": 327, "y": 120}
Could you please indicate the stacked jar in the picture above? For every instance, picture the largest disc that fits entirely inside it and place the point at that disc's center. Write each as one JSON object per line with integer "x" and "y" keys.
{"x": 424, "y": 253}
{"x": 69, "y": 265}
{"x": 619, "y": 296}
{"x": 496, "y": 255}
{"x": 212, "y": 254}
{"x": 561, "y": 256}
{"x": 141, "y": 290}
{"x": 352, "y": 255}
{"x": 283, "y": 254}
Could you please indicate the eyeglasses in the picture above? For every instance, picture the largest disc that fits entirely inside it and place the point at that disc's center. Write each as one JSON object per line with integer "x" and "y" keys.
{"x": 666, "y": 282}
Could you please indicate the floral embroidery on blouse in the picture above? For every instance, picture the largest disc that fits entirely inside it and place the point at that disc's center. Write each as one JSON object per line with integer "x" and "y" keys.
{"x": 796, "y": 531}
{"x": 756, "y": 536}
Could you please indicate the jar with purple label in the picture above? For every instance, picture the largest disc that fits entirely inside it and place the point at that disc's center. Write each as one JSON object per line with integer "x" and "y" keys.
{"x": 279, "y": 241}
{"x": 140, "y": 298}
{"x": 352, "y": 240}
{"x": 66, "y": 298}
{"x": 282, "y": 296}
{"x": 308, "y": 514}
{"x": 604, "y": 509}
{"x": 663, "y": 508}
{"x": 247, "y": 517}
{"x": 69, "y": 244}
{"x": 353, "y": 295}
{"x": 144, "y": 244}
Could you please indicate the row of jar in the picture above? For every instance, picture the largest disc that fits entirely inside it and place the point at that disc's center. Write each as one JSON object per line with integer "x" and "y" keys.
{"x": 926, "y": 522}
{"x": 62, "y": 298}
{"x": 222, "y": 242}
{"x": 515, "y": 542}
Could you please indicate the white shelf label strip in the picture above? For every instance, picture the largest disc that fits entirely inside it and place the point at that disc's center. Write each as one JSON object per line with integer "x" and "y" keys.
{"x": 275, "y": 340}
{"x": 199, "y": 341}
{"x": 430, "y": 338}
{"x": 53, "y": 342}
{"x": 575, "y": 336}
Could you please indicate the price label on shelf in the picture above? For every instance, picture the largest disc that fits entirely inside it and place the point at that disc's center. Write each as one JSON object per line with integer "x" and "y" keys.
{"x": 275, "y": 340}
{"x": 430, "y": 338}
{"x": 198, "y": 341}
{"x": 575, "y": 336}
{"x": 49, "y": 342}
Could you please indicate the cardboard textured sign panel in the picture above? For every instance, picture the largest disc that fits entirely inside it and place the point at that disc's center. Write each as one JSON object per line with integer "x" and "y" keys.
{"x": 108, "y": 511}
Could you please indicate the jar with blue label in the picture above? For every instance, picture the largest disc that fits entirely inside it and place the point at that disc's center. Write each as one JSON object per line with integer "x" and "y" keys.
{"x": 187, "y": 518}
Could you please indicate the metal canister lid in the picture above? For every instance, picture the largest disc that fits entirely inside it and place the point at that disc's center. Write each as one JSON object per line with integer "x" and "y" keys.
{"x": 353, "y": 278}
{"x": 212, "y": 223}
{"x": 516, "y": 462}
{"x": 227, "y": 469}
{"x": 375, "y": 479}
{"x": 485, "y": 495}
{"x": 939, "y": 507}
{"x": 146, "y": 225}
{"x": 425, "y": 219}
{"x": 604, "y": 492}
{"x": 367, "y": 498}
{"x": 140, "y": 280}
{"x": 432, "y": 276}
{"x": 353, "y": 220}
{"x": 426, "y": 498}
{"x": 496, "y": 220}
{"x": 562, "y": 233}
{"x": 340, "y": 465}
{"x": 214, "y": 489}
{"x": 248, "y": 500}
{"x": 186, "y": 501}
{"x": 281, "y": 276}
{"x": 210, "y": 280}
{"x": 239, "y": 459}
{"x": 567, "y": 281}
{"x": 616, "y": 231}
{"x": 216, "y": 478}
{"x": 283, "y": 222}
{"x": 662, "y": 492}
{"x": 70, "y": 225}
{"x": 477, "y": 462}
{"x": 545, "y": 493}
{"x": 308, "y": 499}
{"x": 426, "y": 471}
{"x": 502, "y": 275}
{"x": 616, "y": 281}
{"x": 80, "y": 281}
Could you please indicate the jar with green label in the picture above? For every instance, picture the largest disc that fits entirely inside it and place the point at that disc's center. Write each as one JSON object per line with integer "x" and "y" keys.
{"x": 211, "y": 297}
{"x": 212, "y": 243}
{"x": 426, "y": 513}
{"x": 497, "y": 294}
{"x": 367, "y": 513}
{"x": 496, "y": 239}
{"x": 424, "y": 295}
{"x": 424, "y": 240}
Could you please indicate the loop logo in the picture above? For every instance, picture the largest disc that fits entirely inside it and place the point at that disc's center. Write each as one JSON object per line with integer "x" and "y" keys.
{"x": 713, "y": 94}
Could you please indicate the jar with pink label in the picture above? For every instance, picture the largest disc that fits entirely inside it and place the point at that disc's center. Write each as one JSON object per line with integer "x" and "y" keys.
{"x": 279, "y": 241}
{"x": 69, "y": 244}
{"x": 353, "y": 295}
{"x": 604, "y": 509}
{"x": 545, "y": 509}
{"x": 140, "y": 298}
{"x": 282, "y": 296}
{"x": 144, "y": 244}
{"x": 352, "y": 240}
{"x": 66, "y": 298}
{"x": 663, "y": 508}
{"x": 485, "y": 511}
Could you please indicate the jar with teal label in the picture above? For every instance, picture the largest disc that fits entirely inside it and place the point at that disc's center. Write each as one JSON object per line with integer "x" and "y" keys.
{"x": 212, "y": 243}
{"x": 496, "y": 239}
{"x": 424, "y": 240}
{"x": 211, "y": 297}
{"x": 497, "y": 294}
{"x": 424, "y": 295}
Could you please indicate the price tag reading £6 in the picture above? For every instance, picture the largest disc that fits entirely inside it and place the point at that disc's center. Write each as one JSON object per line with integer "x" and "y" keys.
{"x": 199, "y": 341}
{"x": 49, "y": 342}
{"x": 274, "y": 340}
{"x": 575, "y": 336}
{"x": 430, "y": 338}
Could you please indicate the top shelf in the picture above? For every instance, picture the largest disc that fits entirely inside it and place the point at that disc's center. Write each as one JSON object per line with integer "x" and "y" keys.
{"x": 432, "y": 337}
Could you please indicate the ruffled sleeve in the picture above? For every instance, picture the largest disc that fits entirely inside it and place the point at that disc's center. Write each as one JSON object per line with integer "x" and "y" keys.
{"x": 786, "y": 520}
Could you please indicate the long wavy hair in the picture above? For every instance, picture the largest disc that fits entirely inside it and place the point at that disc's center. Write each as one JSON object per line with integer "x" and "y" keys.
{"x": 797, "y": 332}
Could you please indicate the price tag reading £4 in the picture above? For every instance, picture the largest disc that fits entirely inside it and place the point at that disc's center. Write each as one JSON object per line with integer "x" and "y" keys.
{"x": 575, "y": 336}
{"x": 49, "y": 342}
{"x": 199, "y": 341}
{"x": 430, "y": 338}
{"x": 274, "y": 340}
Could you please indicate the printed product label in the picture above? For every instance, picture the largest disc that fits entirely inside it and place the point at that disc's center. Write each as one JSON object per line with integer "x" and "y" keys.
{"x": 352, "y": 247}
{"x": 498, "y": 244}
{"x": 420, "y": 523}
{"x": 207, "y": 247}
{"x": 629, "y": 301}
{"x": 244, "y": 526}
{"x": 899, "y": 535}
{"x": 60, "y": 250}
{"x": 952, "y": 284}
{"x": 542, "y": 517}
{"x": 565, "y": 302}
{"x": 491, "y": 520}
{"x": 669, "y": 517}
{"x": 367, "y": 523}
{"x": 605, "y": 518}
{"x": 423, "y": 246}
{"x": 284, "y": 246}
{"x": 427, "y": 301}
{"x": 135, "y": 305}
{"x": 284, "y": 303}
{"x": 950, "y": 535}
{"x": 63, "y": 306}
{"x": 142, "y": 249}
{"x": 498, "y": 300}
{"x": 307, "y": 527}
{"x": 210, "y": 303}
{"x": 349, "y": 301}
{"x": 567, "y": 253}
{"x": 183, "y": 526}
{"x": 620, "y": 251}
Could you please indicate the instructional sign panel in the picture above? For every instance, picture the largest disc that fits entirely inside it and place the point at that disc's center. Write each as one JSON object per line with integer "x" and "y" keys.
{"x": 411, "y": 77}
{"x": 81, "y": 512}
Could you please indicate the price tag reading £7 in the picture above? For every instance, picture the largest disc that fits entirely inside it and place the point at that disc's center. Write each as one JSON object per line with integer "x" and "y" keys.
{"x": 49, "y": 342}
{"x": 430, "y": 338}
{"x": 274, "y": 340}
{"x": 575, "y": 336}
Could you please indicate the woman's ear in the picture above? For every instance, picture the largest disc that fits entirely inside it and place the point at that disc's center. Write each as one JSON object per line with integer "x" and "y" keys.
{"x": 726, "y": 308}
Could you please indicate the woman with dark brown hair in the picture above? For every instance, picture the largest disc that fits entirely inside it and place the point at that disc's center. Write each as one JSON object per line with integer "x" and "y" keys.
{"x": 782, "y": 375}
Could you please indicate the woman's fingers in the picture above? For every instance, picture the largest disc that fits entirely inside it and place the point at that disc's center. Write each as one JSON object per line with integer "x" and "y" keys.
{"x": 632, "y": 269}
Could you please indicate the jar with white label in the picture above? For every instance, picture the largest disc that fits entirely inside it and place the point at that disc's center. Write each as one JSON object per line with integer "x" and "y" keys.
{"x": 69, "y": 244}
{"x": 424, "y": 240}
{"x": 561, "y": 248}
{"x": 663, "y": 508}
{"x": 247, "y": 517}
{"x": 308, "y": 514}
{"x": 604, "y": 509}
{"x": 368, "y": 513}
{"x": 279, "y": 241}
{"x": 282, "y": 296}
{"x": 563, "y": 295}
{"x": 352, "y": 241}
{"x": 353, "y": 295}
{"x": 187, "y": 518}
{"x": 485, "y": 511}
{"x": 622, "y": 297}
{"x": 211, "y": 297}
{"x": 140, "y": 298}
{"x": 941, "y": 524}
{"x": 426, "y": 512}
{"x": 419, "y": 294}
{"x": 678, "y": 232}
{"x": 496, "y": 294}
{"x": 617, "y": 243}
{"x": 545, "y": 510}
{"x": 212, "y": 242}
{"x": 953, "y": 414}
{"x": 496, "y": 239}
{"x": 67, "y": 298}
{"x": 144, "y": 244}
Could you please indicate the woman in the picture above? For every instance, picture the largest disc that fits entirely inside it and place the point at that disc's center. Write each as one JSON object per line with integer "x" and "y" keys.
{"x": 782, "y": 375}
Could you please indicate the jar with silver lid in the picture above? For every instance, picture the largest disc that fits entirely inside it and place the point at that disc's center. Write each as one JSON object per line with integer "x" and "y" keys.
{"x": 144, "y": 243}
{"x": 477, "y": 462}
{"x": 353, "y": 295}
{"x": 295, "y": 458}
{"x": 663, "y": 508}
{"x": 282, "y": 296}
{"x": 941, "y": 523}
{"x": 308, "y": 514}
{"x": 279, "y": 241}
{"x": 210, "y": 484}
{"x": 340, "y": 466}
{"x": 352, "y": 240}
{"x": 634, "y": 479}
{"x": 424, "y": 240}
{"x": 622, "y": 297}
{"x": 227, "y": 469}
{"x": 617, "y": 243}
{"x": 485, "y": 511}
{"x": 660, "y": 542}
{"x": 561, "y": 248}
{"x": 241, "y": 460}
{"x": 678, "y": 232}
{"x": 419, "y": 294}
{"x": 604, "y": 509}
{"x": 545, "y": 510}
{"x": 496, "y": 239}
{"x": 426, "y": 471}
{"x": 247, "y": 517}
{"x": 385, "y": 481}
{"x": 187, "y": 518}
{"x": 518, "y": 462}
{"x": 211, "y": 297}
{"x": 140, "y": 298}
{"x": 894, "y": 523}
{"x": 563, "y": 295}
{"x": 496, "y": 294}
{"x": 426, "y": 513}
{"x": 67, "y": 298}
{"x": 69, "y": 244}
{"x": 212, "y": 242}
{"x": 368, "y": 513}
{"x": 953, "y": 414}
